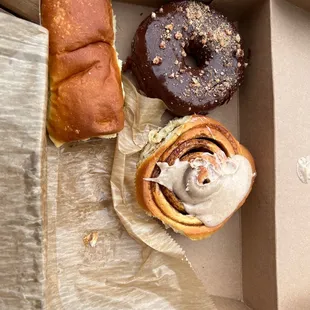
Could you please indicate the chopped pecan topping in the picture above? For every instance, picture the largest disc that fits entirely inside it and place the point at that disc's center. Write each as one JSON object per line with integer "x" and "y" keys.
{"x": 157, "y": 60}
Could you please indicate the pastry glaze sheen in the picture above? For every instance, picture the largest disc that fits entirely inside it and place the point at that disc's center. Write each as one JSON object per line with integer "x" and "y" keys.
{"x": 189, "y": 139}
{"x": 159, "y": 50}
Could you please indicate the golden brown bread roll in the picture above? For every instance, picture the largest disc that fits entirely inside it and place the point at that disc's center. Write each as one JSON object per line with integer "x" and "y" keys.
{"x": 86, "y": 96}
{"x": 194, "y": 175}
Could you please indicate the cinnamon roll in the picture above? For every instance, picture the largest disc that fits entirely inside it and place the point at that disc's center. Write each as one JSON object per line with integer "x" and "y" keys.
{"x": 193, "y": 175}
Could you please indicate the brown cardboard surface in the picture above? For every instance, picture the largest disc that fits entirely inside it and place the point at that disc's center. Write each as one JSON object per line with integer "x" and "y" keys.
{"x": 217, "y": 260}
{"x": 290, "y": 33}
{"x": 257, "y": 133}
{"x": 233, "y": 9}
{"x": 228, "y": 304}
{"x": 305, "y": 4}
{"x": 27, "y": 9}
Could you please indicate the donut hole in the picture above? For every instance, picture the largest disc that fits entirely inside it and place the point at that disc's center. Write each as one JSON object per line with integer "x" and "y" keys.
{"x": 190, "y": 61}
{"x": 197, "y": 55}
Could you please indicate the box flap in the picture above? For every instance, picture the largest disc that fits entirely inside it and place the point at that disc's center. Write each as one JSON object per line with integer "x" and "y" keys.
{"x": 27, "y": 9}
{"x": 290, "y": 29}
{"x": 257, "y": 133}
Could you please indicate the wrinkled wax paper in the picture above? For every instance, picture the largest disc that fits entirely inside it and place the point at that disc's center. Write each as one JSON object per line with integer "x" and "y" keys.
{"x": 148, "y": 271}
{"x": 23, "y": 89}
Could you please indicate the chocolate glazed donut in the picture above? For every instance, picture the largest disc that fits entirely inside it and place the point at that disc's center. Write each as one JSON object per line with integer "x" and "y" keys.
{"x": 164, "y": 40}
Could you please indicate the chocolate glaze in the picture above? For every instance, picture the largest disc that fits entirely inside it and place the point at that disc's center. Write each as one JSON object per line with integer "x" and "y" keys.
{"x": 159, "y": 51}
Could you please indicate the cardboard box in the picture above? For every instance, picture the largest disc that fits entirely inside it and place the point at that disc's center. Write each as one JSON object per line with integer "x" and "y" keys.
{"x": 26, "y": 9}
{"x": 260, "y": 259}
{"x": 301, "y": 3}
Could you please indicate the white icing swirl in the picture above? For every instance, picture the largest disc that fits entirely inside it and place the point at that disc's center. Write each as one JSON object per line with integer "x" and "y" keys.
{"x": 211, "y": 188}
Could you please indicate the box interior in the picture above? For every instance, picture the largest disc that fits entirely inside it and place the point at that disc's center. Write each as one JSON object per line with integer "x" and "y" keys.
{"x": 218, "y": 260}
{"x": 239, "y": 262}
{"x": 218, "y": 257}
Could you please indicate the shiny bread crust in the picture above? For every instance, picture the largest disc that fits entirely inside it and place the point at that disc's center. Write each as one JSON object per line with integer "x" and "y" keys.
{"x": 86, "y": 95}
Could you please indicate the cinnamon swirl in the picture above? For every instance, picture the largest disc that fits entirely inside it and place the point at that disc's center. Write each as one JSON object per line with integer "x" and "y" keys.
{"x": 193, "y": 176}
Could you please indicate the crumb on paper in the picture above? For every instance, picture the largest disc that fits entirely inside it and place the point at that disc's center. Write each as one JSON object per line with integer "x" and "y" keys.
{"x": 91, "y": 239}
